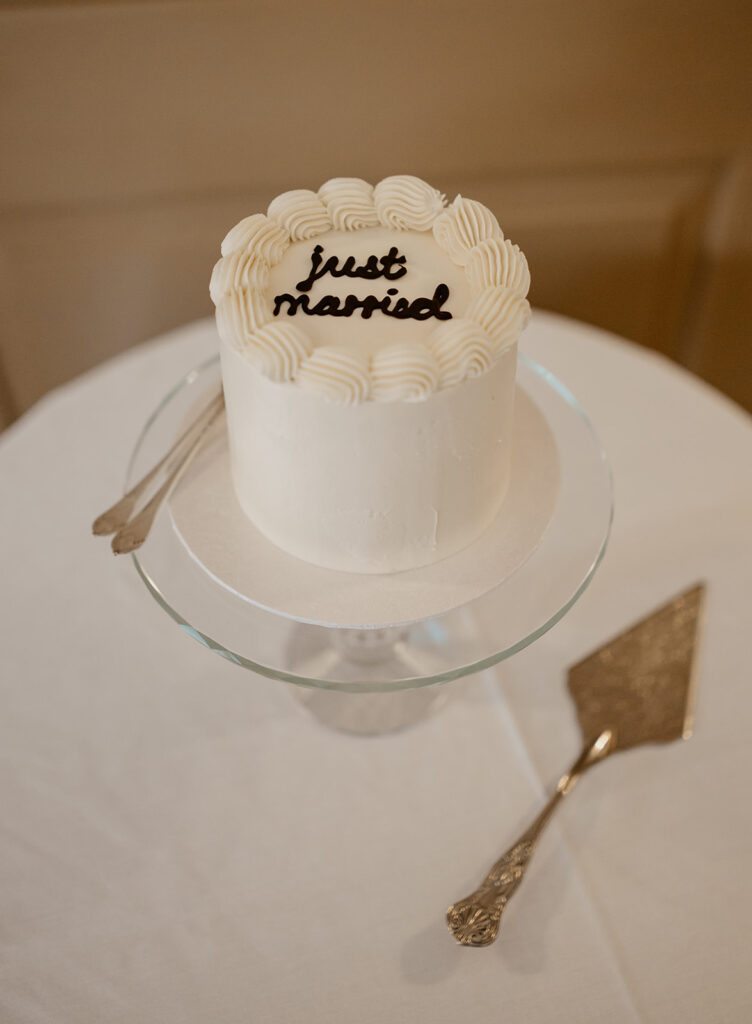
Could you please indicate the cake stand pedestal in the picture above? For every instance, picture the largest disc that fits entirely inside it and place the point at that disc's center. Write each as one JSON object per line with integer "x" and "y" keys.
{"x": 375, "y": 669}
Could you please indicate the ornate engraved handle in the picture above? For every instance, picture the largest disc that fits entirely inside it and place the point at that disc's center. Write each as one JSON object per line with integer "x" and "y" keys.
{"x": 475, "y": 920}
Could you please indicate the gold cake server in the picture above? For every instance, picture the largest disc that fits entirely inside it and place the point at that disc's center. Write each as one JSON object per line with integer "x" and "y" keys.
{"x": 636, "y": 689}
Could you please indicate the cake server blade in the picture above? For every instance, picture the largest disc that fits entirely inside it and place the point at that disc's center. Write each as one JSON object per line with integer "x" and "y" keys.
{"x": 640, "y": 685}
{"x": 637, "y": 688}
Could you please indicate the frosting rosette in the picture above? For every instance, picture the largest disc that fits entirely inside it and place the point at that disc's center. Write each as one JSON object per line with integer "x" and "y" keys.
{"x": 277, "y": 350}
{"x": 349, "y": 203}
{"x": 407, "y": 203}
{"x": 239, "y": 314}
{"x": 403, "y": 373}
{"x": 339, "y": 373}
{"x": 498, "y": 263}
{"x": 462, "y": 226}
{"x": 502, "y": 313}
{"x": 462, "y": 349}
{"x": 301, "y": 213}
{"x": 260, "y": 235}
{"x": 241, "y": 270}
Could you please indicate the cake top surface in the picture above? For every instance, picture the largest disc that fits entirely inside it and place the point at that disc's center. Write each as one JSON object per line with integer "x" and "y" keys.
{"x": 402, "y": 273}
{"x": 362, "y": 293}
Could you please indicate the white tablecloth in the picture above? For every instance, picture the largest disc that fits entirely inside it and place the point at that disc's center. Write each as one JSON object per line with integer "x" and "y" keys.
{"x": 181, "y": 842}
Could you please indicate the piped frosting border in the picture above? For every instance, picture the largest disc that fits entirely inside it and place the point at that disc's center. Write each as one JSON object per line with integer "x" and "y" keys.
{"x": 456, "y": 350}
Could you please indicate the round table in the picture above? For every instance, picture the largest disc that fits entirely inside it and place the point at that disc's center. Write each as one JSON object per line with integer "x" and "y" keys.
{"x": 181, "y": 842}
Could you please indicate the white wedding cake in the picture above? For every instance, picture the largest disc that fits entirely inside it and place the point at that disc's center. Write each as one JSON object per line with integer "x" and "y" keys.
{"x": 368, "y": 349}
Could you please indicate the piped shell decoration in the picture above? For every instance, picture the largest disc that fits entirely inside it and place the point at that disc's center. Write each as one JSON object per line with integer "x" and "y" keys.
{"x": 239, "y": 314}
{"x": 339, "y": 373}
{"x": 462, "y": 226}
{"x": 403, "y": 373}
{"x": 349, "y": 203}
{"x": 462, "y": 350}
{"x": 261, "y": 235}
{"x": 277, "y": 350}
{"x": 301, "y": 213}
{"x": 496, "y": 262}
{"x": 407, "y": 203}
{"x": 502, "y": 313}
{"x": 237, "y": 272}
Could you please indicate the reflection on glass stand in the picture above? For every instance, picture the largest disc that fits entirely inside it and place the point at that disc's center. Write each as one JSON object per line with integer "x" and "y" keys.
{"x": 391, "y": 668}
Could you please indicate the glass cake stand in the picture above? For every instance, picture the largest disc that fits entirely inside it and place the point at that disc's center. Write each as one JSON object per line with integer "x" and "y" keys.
{"x": 393, "y": 667}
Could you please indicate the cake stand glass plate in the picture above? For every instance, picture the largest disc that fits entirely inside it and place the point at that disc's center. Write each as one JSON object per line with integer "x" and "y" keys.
{"x": 391, "y": 657}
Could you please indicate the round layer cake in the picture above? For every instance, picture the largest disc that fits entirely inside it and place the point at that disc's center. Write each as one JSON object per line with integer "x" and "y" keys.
{"x": 368, "y": 347}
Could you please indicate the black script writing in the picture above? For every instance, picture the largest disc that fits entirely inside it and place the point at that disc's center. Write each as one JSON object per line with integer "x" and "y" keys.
{"x": 403, "y": 309}
{"x": 392, "y": 266}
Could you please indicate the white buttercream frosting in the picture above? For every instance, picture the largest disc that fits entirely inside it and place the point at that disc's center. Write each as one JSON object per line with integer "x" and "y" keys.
{"x": 340, "y": 374}
{"x": 502, "y": 313}
{"x": 498, "y": 262}
{"x": 237, "y": 272}
{"x": 462, "y": 349}
{"x": 239, "y": 314}
{"x": 277, "y": 350}
{"x": 403, "y": 373}
{"x": 372, "y": 487}
{"x": 404, "y": 202}
{"x": 258, "y": 233}
{"x": 301, "y": 213}
{"x": 462, "y": 226}
{"x": 349, "y": 203}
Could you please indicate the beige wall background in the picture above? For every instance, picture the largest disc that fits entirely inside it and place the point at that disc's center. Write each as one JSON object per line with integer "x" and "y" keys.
{"x": 613, "y": 140}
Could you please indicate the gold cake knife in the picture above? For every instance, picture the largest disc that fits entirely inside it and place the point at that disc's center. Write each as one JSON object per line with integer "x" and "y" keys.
{"x": 636, "y": 689}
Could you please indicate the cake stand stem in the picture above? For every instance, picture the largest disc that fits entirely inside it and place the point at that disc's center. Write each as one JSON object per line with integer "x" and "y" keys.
{"x": 366, "y": 655}
{"x": 371, "y": 714}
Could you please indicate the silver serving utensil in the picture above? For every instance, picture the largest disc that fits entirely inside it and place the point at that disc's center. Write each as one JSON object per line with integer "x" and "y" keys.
{"x": 133, "y": 534}
{"x": 118, "y": 514}
{"x": 636, "y": 689}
